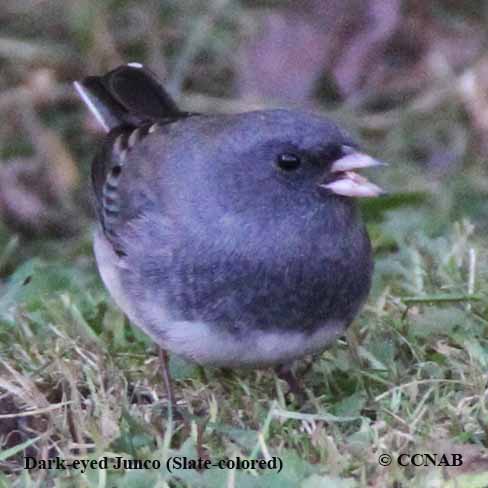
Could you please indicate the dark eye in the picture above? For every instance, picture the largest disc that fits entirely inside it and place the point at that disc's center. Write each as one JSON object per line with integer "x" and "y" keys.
{"x": 289, "y": 161}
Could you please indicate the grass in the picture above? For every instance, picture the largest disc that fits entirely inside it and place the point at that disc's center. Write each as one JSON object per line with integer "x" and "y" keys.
{"x": 79, "y": 382}
{"x": 411, "y": 378}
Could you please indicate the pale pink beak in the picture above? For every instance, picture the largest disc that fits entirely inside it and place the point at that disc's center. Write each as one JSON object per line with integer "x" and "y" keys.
{"x": 349, "y": 183}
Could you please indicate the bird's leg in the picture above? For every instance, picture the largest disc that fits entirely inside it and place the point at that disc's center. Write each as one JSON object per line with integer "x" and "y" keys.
{"x": 164, "y": 362}
{"x": 285, "y": 373}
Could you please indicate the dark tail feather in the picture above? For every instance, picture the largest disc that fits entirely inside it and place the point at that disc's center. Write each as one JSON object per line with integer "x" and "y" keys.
{"x": 128, "y": 95}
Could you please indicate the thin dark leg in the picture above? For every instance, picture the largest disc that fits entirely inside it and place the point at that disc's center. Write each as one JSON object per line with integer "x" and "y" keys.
{"x": 285, "y": 373}
{"x": 164, "y": 361}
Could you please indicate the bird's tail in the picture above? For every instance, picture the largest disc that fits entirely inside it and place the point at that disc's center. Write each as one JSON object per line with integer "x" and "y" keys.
{"x": 128, "y": 95}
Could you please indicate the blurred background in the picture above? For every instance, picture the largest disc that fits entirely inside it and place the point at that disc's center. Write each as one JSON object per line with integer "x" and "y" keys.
{"x": 409, "y": 77}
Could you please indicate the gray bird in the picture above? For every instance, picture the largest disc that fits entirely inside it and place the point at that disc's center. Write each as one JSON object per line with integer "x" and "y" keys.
{"x": 231, "y": 240}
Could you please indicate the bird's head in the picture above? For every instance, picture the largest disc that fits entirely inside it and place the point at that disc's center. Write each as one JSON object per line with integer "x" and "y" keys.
{"x": 283, "y": 160}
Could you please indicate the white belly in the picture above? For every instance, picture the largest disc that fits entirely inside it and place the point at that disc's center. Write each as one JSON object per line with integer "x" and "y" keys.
{"x": 208, "y": 345}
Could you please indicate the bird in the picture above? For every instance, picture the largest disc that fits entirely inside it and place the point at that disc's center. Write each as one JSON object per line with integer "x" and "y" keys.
{"x": 233, "y": 240}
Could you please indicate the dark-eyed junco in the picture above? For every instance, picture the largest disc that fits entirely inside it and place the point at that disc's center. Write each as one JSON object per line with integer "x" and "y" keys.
{"x": 232, "y": 240}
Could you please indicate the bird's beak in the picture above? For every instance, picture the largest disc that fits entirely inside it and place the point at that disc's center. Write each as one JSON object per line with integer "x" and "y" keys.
{"x": 342, "y": 180}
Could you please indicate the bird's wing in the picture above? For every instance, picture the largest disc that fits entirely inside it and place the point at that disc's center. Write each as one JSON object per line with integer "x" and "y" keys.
{"x": 130, "y": 103}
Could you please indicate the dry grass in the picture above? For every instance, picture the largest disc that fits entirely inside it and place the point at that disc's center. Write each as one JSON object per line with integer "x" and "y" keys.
{"x": 78, "y": 382}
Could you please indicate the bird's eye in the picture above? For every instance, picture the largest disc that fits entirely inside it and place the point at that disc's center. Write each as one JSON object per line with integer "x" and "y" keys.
{"x": 289, "y": 161}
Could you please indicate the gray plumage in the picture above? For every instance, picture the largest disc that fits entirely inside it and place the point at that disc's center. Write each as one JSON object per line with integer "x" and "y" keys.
{"x": 213, "y": 249}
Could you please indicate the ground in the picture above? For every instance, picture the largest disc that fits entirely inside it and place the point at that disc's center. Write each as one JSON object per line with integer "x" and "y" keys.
{"x": 80, "y": 383}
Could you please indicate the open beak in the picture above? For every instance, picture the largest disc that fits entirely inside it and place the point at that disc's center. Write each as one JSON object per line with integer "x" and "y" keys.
{"x": 344, "y": 181}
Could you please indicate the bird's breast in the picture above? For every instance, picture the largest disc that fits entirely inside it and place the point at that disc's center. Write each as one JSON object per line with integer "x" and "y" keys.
{"x": 274, "y": 280}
